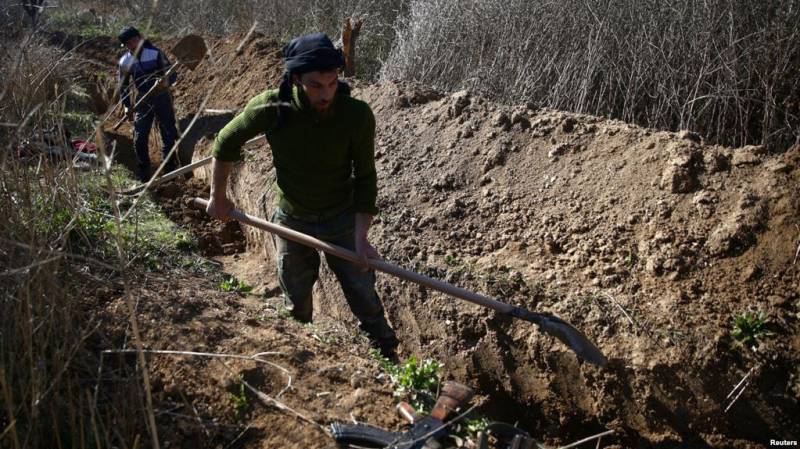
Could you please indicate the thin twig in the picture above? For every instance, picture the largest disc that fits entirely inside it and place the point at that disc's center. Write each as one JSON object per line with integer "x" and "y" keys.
{"x": 59, "y": 253}
{"x": 622, "y": 309}
{"x": 579, "y": 442}
{"x": 737, "y": 397}
{"x": 276, "y": 403}
{"x": 241, "y": 434}
{"x": 27, "y": 268}
{"x": 740, "y": 382}
{"x": 8, "y": 429}
{"x": 129, "y": 301}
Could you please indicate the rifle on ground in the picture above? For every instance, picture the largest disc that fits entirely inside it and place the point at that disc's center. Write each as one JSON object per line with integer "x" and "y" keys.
{"x": 425, "y": 433}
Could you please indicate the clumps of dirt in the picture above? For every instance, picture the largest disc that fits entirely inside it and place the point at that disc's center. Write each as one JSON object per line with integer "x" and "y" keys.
{"x": 598, "y": 217}
{"x": 214, "y": 237}
{"x": 645, "y": 240}
{"x": 317, "y": 373}
{"x": 256, "y": 68}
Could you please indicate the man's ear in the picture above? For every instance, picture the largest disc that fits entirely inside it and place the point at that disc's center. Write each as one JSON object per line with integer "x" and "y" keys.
{"x": 296, "y": 79}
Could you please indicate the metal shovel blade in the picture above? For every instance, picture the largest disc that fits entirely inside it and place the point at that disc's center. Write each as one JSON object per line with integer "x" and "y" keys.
{"x": 190, "y": 50}
{"x": 564, "y": 332}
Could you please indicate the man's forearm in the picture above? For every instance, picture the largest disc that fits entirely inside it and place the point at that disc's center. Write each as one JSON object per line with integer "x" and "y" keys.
{"x": 363, "y": 223}
{"x": 219, "y": 178}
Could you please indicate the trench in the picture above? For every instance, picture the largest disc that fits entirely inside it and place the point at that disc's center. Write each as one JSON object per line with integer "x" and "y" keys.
{"x": 520, "y": 376}
{"x": 475, "y": 344}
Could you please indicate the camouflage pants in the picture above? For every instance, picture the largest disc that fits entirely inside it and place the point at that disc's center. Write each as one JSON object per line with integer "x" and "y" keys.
{"x": 298, "y": 269}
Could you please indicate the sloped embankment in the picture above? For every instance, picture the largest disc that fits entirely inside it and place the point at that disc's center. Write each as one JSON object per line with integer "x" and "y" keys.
{"x": 650, "y": 242}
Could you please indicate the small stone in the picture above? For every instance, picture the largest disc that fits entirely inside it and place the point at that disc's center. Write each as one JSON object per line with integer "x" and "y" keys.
{"x": 558, "y": 150}
{"x": 569, "y": 124}
{"x": 521, "y": 119}
{"x": 501, "y": 120}
{"x": 745, "y": 156}
{"x": 690, "y": 136}
{"x": 751, "y": 273}
{"x": 716, "y": 162}
{"x": 777, "y": 167}
{"x": 703, "y": 197}
{"x": 678, "y": 180}
{"x": 777, "y": 300}
{"x": 358, "y": 380}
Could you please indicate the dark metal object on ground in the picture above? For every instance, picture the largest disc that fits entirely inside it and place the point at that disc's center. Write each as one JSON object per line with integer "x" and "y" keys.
{"x": 425, "y": 433}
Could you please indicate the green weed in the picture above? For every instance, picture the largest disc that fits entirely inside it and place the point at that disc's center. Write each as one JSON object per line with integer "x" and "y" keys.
{"x": 749, "y": 328}
{"x": 451, "y": 260}
{"x": 469, "y": 427}
{"x": 414, "y": 381}
{"x": 631, "y": 258}
{"x": 240, "y": 402}
{"x": 232, "y": 285}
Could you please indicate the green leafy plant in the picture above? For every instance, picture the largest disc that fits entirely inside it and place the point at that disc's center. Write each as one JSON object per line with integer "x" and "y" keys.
{"x": 232, "y": 285}
{"x": 469, "y": 427}
{"x": 240, "y": 402}
{"x": 749, "y": 328}
{"x": 414, "y": 381}
{"x": 451, "y": 260}
{"x": 631, "y": 258}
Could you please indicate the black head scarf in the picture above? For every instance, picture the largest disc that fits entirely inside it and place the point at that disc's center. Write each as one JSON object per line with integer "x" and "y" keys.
{"x": 314, "y": 52}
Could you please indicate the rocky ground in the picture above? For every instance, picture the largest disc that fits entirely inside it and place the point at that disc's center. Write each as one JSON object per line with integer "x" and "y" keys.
{"x": 650, "y": 242}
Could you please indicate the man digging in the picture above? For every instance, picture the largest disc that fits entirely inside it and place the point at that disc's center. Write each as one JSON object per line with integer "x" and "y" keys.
{"x": 322, "y": 143}
{"x": 146, "y": 65}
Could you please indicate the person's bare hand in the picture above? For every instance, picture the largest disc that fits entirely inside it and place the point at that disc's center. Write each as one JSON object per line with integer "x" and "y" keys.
{"x": 365, "y": 251}
{"x": 219, "y": 207}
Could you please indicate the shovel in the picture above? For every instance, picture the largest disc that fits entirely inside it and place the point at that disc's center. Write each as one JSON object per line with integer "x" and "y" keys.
{"x": 189, "y": 51}
{"x": 547, "y": 323}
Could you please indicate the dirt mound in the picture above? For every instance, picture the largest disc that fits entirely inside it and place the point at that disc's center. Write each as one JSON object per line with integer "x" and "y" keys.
{"x": 650, "y": 242}
{"x": 257, "y": 67}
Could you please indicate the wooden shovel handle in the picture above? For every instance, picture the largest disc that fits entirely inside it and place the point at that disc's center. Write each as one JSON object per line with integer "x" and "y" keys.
{"x": 375, "y": 264}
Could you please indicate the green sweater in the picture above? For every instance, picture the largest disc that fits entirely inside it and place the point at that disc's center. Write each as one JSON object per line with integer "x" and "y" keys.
{"x": 323, "y": 165}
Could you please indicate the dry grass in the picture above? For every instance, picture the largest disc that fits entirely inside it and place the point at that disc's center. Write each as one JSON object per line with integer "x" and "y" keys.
{"x": 56, "y": 255}
{"x": 725, "y": 69}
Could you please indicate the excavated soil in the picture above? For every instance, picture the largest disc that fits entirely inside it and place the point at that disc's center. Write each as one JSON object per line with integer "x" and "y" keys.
{"x": 650, "y": 242}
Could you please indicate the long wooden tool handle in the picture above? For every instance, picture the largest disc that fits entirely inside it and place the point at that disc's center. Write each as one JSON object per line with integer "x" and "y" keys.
{"x": 376, "y": 264}
{"x": 183, "y": 170}
{"x": 171, "y": 175}
{"x": 149, "y": 92}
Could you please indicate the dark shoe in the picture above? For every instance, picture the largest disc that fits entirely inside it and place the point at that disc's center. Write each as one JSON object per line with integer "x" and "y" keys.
{"x": 388, "y": 348}
{"x": 143, "y": 175}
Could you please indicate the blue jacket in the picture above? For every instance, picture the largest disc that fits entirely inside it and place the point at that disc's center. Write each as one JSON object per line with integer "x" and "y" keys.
{"x": 145, "y": 70}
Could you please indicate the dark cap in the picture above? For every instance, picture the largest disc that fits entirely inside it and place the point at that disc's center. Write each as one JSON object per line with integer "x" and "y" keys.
{"x": 127, "y": 34}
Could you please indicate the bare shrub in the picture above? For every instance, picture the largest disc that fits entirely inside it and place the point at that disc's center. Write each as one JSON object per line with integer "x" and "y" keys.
{"x": 724, "y": 69}
{"x": 50, "y": 278}
{"x": 279, "y": 19}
